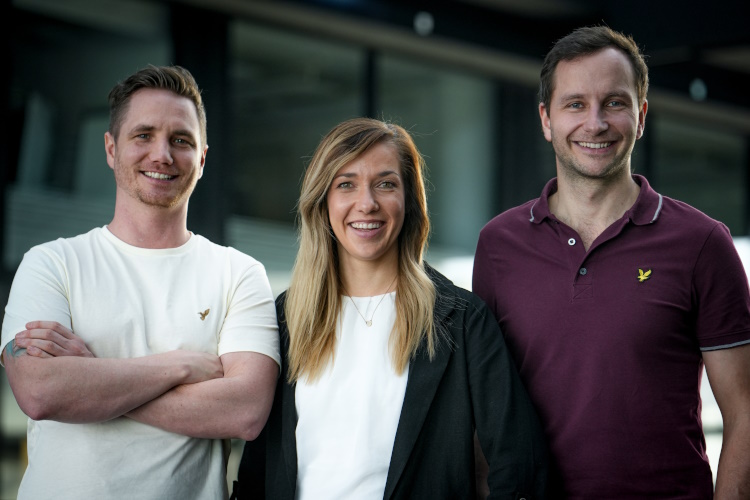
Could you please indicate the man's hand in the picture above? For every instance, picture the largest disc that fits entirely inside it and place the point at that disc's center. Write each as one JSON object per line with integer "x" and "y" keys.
{"x": 201, "y": 366}
{"x": 50, "y": 339}
{"x": 233, "y": 406}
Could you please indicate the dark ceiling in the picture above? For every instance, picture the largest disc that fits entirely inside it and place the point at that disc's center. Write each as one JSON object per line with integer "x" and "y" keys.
{"x": 684, "y": 40}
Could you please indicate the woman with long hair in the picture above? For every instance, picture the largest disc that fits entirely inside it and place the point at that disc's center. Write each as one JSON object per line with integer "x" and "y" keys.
{"x": 388, "y": 369}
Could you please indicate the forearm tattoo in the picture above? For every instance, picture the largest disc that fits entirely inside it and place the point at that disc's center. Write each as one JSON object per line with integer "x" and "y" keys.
{"x": 12, "y": 350}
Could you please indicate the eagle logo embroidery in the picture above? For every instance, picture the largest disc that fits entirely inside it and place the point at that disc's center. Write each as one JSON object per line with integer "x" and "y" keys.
{"x": 205, "y": 313}
{"x": 643, "y": 276}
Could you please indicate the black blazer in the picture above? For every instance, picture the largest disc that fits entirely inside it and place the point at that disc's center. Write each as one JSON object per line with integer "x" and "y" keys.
{"x": 471, "y": 384}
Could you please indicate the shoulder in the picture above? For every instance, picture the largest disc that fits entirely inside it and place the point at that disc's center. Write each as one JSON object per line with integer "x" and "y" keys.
{"x": 281, "y": 312}
{"x": 224, "y": 254}
{"x": 680, "y": 222}
{"x": 679, "y": 212}
{"x": 512, "y": 219}
{"x": 280, "y": 302}
{"x": 63, "y": 249}
{"x": 452, "y": 299}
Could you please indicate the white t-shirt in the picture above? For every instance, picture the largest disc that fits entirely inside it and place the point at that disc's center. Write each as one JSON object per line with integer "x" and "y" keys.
{"x": 347, "y": 419}
{"x": 129, "y": 302}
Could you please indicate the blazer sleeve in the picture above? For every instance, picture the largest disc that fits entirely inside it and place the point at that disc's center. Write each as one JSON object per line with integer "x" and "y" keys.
{"x": 254, "y": 464}
{"x": 507, "y": 426}
{"x": 251, "y": 475}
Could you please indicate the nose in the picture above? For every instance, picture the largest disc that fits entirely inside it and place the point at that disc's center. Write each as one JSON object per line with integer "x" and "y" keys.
{"x": 161, "y": 152}
{"x": 596, "y": 122}
{"x": 367, "y": 203}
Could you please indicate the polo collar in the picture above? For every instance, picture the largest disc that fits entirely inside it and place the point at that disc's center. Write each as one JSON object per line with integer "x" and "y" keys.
{"x": 645, "y": 210}
{"x": 647, "y": 207}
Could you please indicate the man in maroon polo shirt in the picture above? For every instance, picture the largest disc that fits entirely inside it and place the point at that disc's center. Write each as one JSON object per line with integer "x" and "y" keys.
{"x": 612, "y": 297}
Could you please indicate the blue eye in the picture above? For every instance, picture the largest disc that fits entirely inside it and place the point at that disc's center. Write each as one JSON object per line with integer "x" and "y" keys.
{"x": 181, "y": 141}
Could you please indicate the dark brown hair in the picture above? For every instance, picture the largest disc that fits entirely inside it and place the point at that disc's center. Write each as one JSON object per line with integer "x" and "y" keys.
{"x": 585, "y": 41}
{"x": 173, "y": 78}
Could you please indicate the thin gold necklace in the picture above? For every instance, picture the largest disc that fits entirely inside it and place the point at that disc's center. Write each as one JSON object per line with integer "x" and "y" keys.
{"x": 368, "y": 322}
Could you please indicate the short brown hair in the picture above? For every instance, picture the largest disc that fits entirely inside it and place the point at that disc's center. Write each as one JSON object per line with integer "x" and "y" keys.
{"x": 585, "y": 41}
{"x": 173, "y": 78}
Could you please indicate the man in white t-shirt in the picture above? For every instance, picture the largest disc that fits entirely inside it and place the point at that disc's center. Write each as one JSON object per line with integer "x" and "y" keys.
{"x": 138, "y": 349}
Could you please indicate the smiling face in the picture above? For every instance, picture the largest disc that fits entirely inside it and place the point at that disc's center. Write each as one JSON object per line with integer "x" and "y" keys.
{"x": 366, "y": 207}
{"x": 157, "y": 157}
{"x": 594, "y": 116}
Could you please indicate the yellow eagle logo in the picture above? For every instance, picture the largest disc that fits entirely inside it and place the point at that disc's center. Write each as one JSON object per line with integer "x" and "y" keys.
{"x": 643, "y": 276}
{"x": 205, "y": 313}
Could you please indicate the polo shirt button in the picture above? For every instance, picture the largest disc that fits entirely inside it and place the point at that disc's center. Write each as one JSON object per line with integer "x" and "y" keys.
{"x": 582, "y": 271}
{"x": 571, "y": 241}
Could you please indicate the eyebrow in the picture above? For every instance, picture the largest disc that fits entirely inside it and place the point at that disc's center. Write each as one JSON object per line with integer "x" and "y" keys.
{"x": 575, "y": 96}
{"x": 143, "y": 128}
{"x": 185, "y": 133}
{"x": 384, "y": 173}
{"x": 139, "y": 129}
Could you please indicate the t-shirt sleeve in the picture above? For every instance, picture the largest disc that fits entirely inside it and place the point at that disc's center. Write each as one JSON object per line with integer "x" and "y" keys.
{"x": 250, "y": 323}
{"x": 720, "y": 289}
{"x": 39, "y": 293}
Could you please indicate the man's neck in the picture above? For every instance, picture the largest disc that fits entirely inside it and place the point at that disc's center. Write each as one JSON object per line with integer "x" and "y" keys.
{"x": 590, "y": 206}
{"x": 151, "y": 227}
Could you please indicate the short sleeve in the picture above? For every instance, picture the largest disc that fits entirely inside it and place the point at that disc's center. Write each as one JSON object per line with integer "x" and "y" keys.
{"x": 720, "y": 291}
{"x": 39, "y": 293}
{"x": 250, "y": 323}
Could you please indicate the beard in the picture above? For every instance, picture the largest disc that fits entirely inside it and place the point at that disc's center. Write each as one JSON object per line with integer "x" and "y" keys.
{"x": 127, "y": 179}
{"x": 572, "y": 166}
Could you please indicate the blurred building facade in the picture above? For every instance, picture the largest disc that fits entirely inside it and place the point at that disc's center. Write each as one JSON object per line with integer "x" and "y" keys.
{"x": 277, "y": 75}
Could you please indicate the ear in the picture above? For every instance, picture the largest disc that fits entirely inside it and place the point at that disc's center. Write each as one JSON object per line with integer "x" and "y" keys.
{"x": 203, "y": 161}
{"x": 641, "y": 120}
{"x": 544, "y": 117}
{"x": 110, "y": 149}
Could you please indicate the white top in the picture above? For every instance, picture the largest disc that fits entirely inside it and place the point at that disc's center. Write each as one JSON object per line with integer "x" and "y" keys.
{"x": 127, "y": 302}
{"x": 347, "y": 419}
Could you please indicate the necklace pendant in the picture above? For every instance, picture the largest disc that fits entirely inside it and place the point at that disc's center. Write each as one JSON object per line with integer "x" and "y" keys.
{"x": 368, "y": 322}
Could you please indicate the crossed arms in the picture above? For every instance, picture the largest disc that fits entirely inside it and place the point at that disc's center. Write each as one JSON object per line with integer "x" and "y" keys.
{"x": 54, "y": 376}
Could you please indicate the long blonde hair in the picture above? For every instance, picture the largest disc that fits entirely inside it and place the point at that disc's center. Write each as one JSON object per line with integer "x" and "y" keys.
{"x": 313, "y": 301}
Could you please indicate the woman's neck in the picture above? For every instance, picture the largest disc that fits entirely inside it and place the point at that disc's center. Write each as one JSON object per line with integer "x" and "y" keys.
{"x": 368, "y": 281}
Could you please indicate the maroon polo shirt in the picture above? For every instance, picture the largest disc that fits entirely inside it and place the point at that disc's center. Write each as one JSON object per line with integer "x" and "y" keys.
{"x": 608, "y": 342}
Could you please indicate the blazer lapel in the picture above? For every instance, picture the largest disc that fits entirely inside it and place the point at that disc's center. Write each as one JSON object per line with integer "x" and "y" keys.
{"x": 424, "y": 379}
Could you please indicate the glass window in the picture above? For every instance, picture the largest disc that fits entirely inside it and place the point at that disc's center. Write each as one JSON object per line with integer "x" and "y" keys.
{"x": 287, "y": 91}
{"x": 702, "y": 167}
{"x": 451, "y": 116}
{"x": 66, "y": 58}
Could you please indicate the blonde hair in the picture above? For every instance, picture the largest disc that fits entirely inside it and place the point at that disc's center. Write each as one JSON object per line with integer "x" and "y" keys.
{"x": 313, "y": 301}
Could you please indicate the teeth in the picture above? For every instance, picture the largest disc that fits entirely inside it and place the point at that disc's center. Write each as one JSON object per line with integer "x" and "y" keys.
{"x": 157, "y": 175}
{"x": 365, "y": 225}
{"x": 595, "y": 145}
